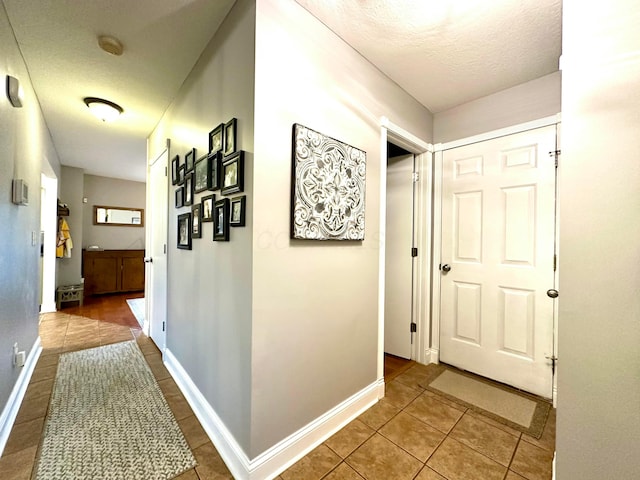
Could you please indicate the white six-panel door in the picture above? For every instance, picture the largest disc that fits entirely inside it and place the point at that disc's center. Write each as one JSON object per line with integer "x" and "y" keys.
{"x": 498, "y": 217}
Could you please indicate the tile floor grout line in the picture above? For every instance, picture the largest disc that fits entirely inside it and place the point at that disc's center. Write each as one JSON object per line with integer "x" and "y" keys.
{"x": 513, "y": 455}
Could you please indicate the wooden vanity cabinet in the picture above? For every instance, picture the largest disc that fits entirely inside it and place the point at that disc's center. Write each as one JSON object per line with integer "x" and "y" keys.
{"x": 111, "y": 271}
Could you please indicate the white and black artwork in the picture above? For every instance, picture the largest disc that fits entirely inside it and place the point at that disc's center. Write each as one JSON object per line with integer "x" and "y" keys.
{"x": 328, "y": 188}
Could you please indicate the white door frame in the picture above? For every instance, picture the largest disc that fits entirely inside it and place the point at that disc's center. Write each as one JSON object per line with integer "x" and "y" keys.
{"x": 422, "y": 236}
{"x": 49, "y": 225}
{"x": 437, "y": 214}
{"x": 148, "y": 239}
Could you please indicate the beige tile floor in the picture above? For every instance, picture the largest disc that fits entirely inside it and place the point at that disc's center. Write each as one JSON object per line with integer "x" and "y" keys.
{"x": 63, "y": 332}
{"x": 410, "y": 434}
{"x": 415, "y": 434}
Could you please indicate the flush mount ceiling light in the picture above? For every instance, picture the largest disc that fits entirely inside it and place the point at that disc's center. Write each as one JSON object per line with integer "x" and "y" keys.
{"x": 103, "y": 109}
{"x": 110, "y": 45}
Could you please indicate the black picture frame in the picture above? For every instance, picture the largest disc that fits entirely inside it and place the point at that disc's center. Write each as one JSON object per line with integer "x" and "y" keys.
{"x": 207, "y": 207}
{"x": 189, "y": 160}
{"x": 215, "y": 170}
{"x": 233, "y": 173}
{"x": 237, "y": 208}
{"x": 221, "y": 220}
{"x": 230, "y": 137}
{"x": 216, "y": 139}
{"x": 184, "y": 231}
{"x": 188, "y": 190}
{"x": 181, "y": 174}
{"x": 175, "y": 167}
{"x": 180, "y": 197}
{"x": 196, "y": 221}
{"x": 201, "y": 171}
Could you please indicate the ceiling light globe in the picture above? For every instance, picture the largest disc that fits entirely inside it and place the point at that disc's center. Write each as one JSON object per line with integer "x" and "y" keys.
{"x": 103, "y": 109}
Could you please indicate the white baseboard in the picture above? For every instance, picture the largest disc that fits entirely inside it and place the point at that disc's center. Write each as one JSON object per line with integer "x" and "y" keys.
{"x": 291, "y": 449}
{"x": 48, "y": 307}
{"x": 10, "y": 412}
{"x": 432, "y": 355}
{"x": 278, "y": 458}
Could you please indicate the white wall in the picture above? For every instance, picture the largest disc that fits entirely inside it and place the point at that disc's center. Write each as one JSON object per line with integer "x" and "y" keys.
{"x": 112, "y": 192}
{"x": 315, "y": 304}
{"x": 529, "y": 101}
{"x": 209, "y": 289}
{"x": 26, "y": 150}
{"x": 598, "y": 430}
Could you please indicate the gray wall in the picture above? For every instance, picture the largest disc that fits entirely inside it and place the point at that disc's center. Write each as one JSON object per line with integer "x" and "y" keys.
{"x": 112, "y": 192}
{"x": 529, "y": 101}
{"x": 315, "y": 304}
{"x": 598, "y": 430}
{"x": 71, "y": 188}
{"x": 261, "y": 324}
{"x": 26, "y": 150}
{"x": 210, "y": 287}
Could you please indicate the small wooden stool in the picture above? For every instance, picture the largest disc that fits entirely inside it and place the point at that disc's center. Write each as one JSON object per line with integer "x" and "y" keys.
{"x": 69, "y": 293}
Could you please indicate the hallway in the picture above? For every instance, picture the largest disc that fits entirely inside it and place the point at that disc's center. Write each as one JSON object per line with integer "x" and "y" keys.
{"x": 101, "y": 321}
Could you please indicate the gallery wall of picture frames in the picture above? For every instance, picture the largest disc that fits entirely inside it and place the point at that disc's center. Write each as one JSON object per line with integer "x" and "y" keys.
{"x": 221, "y": 169}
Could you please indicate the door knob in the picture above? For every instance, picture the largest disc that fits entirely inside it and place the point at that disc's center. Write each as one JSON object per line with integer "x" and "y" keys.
{"x": 148, "y": 260}
{"x": 552, "y": 293}
{"x": 446, "y": 268}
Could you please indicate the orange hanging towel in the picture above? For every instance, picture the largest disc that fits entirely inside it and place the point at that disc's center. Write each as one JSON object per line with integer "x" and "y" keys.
{"x": 64, "y": 243}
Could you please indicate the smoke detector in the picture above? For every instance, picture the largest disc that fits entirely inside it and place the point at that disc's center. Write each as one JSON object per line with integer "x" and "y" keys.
{"x": 110, "y": 45}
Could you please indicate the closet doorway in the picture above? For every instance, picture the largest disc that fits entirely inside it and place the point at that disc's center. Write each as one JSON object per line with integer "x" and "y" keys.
{"x": 399, "y": 244}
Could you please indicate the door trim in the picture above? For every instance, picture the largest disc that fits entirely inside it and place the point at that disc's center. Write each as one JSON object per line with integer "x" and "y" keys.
{"x": 437, "y": 214}
{"x": 422, "y": 232}
{"x": 149, "y": 227}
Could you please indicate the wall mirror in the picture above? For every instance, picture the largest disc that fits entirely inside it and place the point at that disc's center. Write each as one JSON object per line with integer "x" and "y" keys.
{"x": 118, "y": 216}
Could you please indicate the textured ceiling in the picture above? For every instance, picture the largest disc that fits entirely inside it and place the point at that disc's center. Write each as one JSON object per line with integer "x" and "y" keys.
{"x": 447, "y": 52}
{"x": 443, "y": 52}
{"x": 162, "y": 41}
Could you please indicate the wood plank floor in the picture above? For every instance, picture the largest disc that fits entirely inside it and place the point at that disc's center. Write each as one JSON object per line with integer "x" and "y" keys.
{"x": 394, "y": 366}
{"x": 111, "y": 308}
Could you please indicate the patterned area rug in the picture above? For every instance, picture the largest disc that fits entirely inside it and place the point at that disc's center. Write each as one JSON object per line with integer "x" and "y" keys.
{"x": 136, "y": 305}
{"x": 108, "y": 419}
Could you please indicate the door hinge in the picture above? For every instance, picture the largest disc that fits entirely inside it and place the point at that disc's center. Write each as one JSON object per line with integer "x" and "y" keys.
{"x": 416, "y": 177}
{"x": 414, "y": 252}
{"x": 166, "y": 172}
{"x": 556, "y": 154}
{"x": 163, "y": 326}
{"x": 555, "y": 263}
{"x": 414, "y": 327}
{"x": 165, "y": 248}
{"x": 554, "y": 360}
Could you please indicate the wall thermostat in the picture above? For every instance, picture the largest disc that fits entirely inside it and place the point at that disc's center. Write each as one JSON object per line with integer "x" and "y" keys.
{"x": 20, "y": 192}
